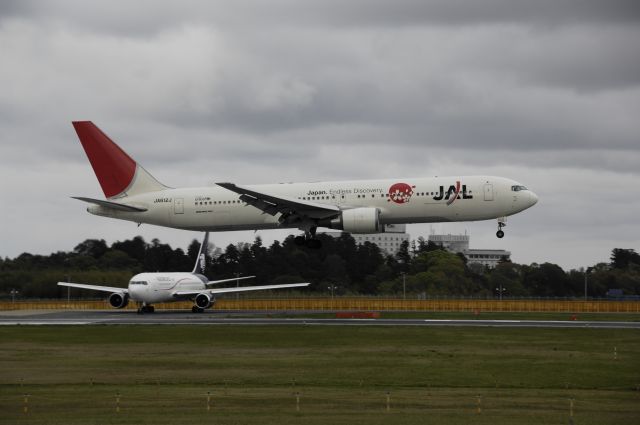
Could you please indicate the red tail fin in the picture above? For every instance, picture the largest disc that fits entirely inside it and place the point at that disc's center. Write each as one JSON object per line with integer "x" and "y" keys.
{"x": 113, "y": 167}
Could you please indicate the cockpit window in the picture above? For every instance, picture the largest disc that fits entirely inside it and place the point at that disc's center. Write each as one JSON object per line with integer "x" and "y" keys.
{"x": 517, "y": 188}
{"x": 137, "y": 282}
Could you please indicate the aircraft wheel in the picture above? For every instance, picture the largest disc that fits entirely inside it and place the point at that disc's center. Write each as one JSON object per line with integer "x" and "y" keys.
{"x": 139, "y": 311}
{"x": 151, "y": 309}
{"x": 500, "y": 234}
{"x": 299, "y": 240}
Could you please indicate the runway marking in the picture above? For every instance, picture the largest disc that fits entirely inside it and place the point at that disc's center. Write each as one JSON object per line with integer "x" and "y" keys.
{"x": 45, "y": 323}
{"x": 118, "y": 318}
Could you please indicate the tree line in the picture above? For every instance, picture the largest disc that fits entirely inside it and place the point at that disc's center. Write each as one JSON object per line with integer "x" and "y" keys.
{"x": 420, "y": 269}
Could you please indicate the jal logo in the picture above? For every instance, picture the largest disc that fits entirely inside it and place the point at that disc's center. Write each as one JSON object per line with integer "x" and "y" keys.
{"x": 400, "y": 193}
{"x": 453, "y": 193}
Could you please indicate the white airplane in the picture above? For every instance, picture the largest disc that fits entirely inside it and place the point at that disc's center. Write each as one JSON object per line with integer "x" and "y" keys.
{"x": 150, "y": 288}
{"x": 364, "y": 206}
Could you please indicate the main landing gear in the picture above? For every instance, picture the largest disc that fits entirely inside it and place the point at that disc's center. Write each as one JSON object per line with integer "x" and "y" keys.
{"x": 196, "y": 309}
{"x": 501, "y": 224}
{"x": 146, "y": 309}
{"x": 309, "y": 239}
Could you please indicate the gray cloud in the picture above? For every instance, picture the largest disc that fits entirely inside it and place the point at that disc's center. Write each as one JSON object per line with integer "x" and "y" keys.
{"x": 147, "y": 16}
{"x": 544, "y": 92}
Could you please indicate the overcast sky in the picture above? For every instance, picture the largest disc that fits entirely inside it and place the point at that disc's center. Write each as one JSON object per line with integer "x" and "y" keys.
{"x": 545, "y": 92}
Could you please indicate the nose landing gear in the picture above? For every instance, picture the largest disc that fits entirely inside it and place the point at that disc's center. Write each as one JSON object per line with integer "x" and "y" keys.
{"x": 501, "y": 224}
{"x": 146, "y": 309}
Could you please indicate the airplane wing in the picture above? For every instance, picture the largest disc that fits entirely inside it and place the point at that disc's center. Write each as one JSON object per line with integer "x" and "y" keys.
{"x": 95, "y": 287}
{"x": 215, "y": 282}
{"x": 290, "y": 208}
{"x": 240, "y": 289}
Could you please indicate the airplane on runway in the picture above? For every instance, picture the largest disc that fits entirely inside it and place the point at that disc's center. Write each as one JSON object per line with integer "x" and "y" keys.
{"x": 150, "y": 288}
{"x": 364, "y": 206}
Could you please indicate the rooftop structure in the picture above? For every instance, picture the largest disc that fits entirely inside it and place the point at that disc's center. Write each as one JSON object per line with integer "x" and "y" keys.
{"x": 460, "y": 244}
{"x": 389, "y": 242}
{"x": 453, "y": 243}
{"x": 486, "y": 257}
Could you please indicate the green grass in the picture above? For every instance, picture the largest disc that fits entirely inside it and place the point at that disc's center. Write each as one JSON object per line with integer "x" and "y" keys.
{"x": 341, "y": 374}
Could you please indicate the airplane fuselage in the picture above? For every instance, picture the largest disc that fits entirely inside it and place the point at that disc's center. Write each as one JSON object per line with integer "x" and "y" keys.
{"x": 410, "y": 200}
{"x": 151, "y": 288}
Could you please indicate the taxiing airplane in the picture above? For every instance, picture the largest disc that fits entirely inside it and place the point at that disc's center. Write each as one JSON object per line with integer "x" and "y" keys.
{"x": 364, "y": 206}
{"x": 151, "y": 288}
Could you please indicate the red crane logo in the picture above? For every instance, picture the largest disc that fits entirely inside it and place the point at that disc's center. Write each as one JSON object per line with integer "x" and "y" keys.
{"x": 400, "y": 193}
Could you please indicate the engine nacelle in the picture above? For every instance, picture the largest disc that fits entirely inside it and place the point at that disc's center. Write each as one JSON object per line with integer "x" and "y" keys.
{"x": 203, "y": 300}
{"x": 118, "y": 300}
{"x": 359, "y": 220}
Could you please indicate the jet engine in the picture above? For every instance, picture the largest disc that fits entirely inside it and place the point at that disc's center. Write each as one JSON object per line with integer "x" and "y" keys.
{"x": 118, "y": 300}
{"x": 359, "y": 220}
{"x": 203, "y": 300}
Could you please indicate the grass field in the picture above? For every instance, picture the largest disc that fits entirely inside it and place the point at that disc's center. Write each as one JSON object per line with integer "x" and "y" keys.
{"x": 341, "y": 374}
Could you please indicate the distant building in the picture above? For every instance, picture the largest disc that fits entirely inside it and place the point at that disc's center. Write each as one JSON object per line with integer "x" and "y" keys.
{"x": 486, "y": 257}
{"x": 453, "y": 243}
{"x": 389, "y": 242}
{"x": 460, "y": 244}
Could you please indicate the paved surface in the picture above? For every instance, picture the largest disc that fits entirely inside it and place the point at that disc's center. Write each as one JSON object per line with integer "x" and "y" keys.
{"x": 111, "y": 317}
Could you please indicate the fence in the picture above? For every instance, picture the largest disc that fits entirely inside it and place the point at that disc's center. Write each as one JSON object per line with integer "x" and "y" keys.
{"x": 168, "y": 404}
{"x": 360, "y": 304}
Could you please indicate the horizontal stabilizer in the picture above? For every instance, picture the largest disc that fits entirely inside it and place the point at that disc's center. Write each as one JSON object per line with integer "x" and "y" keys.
{"x": 215, "y": 282}
{"x": 110, "y": 204}
{"x": 255, "y": 288}
{"x": 240, "y": 289}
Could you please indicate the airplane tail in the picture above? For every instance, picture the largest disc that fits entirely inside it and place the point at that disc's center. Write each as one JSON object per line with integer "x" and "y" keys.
{"x": 201, "y": 261}
{"x": 119, "y": 175}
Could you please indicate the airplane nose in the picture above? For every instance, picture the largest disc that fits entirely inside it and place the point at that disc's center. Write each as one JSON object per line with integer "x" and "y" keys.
{"x": 134, "y": 292}
{"x": 533, "y": 199}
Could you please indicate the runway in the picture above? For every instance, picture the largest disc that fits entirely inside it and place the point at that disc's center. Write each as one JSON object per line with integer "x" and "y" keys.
{"x": 129, "y": 317}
